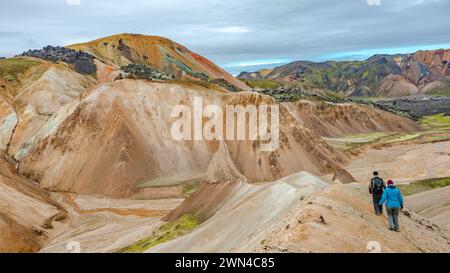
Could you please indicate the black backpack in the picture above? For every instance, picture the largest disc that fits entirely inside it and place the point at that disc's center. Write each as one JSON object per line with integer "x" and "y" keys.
{"x": 377, "y": 185}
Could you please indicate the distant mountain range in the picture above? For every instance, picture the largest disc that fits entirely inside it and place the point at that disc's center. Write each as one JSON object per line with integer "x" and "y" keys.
{"x": 379, "y": 75}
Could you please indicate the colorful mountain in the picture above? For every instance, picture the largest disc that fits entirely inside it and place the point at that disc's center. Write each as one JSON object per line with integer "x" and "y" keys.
{"x": 379, "y": 75}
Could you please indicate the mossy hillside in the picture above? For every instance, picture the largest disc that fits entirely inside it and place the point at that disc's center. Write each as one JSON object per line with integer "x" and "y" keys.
{"x": 351, "y": 75}
{"x": 354, "y": 78}
{"x": 11, "y": 68}
{"x": 445, "y": 136}
{"x": 424, "y": 185}
{"x": 262, "y": 83}
{"x": 167, "y": 232}
{"x": 438, "y": 128}
{"x": 436, "y": 122}
{"x": 441, "y": 92}
{"x": 354, "y": 141}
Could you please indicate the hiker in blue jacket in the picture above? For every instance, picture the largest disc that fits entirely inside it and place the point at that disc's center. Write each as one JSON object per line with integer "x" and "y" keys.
{"x": 394, "y": 202}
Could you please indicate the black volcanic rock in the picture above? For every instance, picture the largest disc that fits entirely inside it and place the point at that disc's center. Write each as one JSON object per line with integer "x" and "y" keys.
{"x": 83, "y": 62}
{"x": 143, "y": 71}
{"x": 225, "y": 84}
{"x": 417, "y": 106}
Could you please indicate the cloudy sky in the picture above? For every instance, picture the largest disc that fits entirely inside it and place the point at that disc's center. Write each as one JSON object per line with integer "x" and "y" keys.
{"x": 236, "y": 34}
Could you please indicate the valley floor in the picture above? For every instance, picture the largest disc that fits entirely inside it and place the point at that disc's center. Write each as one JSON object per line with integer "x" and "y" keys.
{"x": 403, "y": 163}
{"x": 313, "y": 215}
{"x": 104, "y": 224}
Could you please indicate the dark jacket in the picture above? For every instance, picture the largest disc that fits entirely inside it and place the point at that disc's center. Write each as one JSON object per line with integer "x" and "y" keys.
{"x": 371, "y": 185}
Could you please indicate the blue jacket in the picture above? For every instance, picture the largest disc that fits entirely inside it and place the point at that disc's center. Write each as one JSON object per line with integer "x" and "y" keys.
{"x": 393, "y": 197}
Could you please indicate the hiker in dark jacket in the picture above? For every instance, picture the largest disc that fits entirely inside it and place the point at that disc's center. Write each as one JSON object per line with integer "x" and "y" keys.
{"x": 376, "y": 188}
{"x": 394, "y": 202}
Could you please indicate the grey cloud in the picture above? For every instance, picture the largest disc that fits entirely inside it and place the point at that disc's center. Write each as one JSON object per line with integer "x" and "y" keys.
{"x": 289, "y": 29}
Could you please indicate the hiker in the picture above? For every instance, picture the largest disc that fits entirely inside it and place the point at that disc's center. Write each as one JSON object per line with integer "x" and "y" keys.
{"x": 394, "y": 203}
{"x": 376, "y": 188}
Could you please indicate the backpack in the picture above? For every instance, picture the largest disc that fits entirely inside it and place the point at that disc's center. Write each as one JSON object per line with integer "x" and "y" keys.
{"x": 377, "y": 185}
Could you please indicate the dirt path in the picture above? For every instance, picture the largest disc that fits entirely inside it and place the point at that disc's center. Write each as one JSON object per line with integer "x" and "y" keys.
{"x": 70, "y": 200}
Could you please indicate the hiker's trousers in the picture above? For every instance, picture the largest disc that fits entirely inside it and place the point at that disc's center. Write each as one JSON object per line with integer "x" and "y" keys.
{"x": 376, "y": 204}
{"x": 393, "y": 214}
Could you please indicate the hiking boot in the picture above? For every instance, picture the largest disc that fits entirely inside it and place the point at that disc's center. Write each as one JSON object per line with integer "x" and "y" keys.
{"x": 397, "y": 229}
{"x": 391, "y": 228}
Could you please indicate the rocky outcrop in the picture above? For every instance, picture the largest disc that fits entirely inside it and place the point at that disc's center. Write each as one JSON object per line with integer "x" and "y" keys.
{"x": 142, "y": 71}
{"x": 225, "y": 84}
{"x": 417, "y": 106}
{"x": 82, "y": 61}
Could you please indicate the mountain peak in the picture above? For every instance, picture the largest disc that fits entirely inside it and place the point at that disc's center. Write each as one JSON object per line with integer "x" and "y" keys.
{"x": 157, "y": 52}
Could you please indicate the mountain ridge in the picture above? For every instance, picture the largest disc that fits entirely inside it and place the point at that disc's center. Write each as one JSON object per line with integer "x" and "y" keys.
{"x": 379, "y": 75}
{"x": 157, "y": 52}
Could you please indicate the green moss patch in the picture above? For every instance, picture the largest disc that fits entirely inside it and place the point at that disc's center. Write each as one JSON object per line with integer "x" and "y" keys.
{"x": 10, "y": 68}
{"x": 402, "y": 137}
{"x": 436, "y": 138}
{"x": 353, "y": 141}
{"x": 424, "y": 185}
{"x": 436, "y": 122}
{"x": 441, "y": 92}
{"x": 190, "y": 187}
{"x": 363, "y": 138}
{"x": 167, "y": 232}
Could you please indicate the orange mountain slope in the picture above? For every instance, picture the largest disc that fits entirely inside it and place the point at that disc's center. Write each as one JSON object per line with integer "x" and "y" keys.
{"x": 157, "y": 52}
